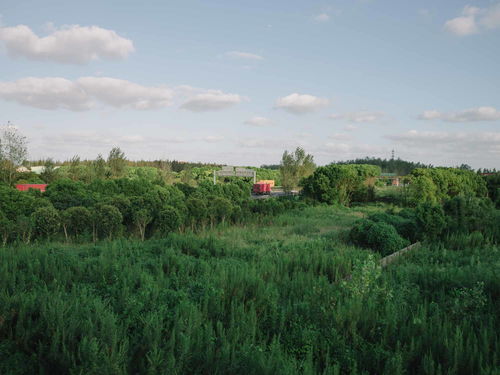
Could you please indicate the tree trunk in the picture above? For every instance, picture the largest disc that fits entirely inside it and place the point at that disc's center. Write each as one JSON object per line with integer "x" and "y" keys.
{"x": 94, "y": 233}
{"x": 65, "y": 232}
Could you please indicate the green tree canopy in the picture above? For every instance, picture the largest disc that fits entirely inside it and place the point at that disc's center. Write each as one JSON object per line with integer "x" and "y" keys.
{"x": 295, "y": 166}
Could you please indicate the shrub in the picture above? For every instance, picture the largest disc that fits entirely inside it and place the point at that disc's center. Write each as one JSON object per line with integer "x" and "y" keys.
{"x": 405, "y": 226}
{"x": 339, "y": 184}
{"x": 107, "y": 220}
{"x": 46, "y": 221}
{"x": 378, "y": 236}
{"x": 168, "y": 220}
{"x": 430, "y": 220}
{"x": 76, "y": 221}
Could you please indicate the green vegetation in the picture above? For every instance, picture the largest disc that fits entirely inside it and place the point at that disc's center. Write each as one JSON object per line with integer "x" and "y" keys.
{"x": 286, "y": 296}
{"x": 148, "y": 268}
{"x": 294, "y": 167}
{"x": 435, "y": 185}
{"x": 341, "y": 184}
{"x": 397, "y": 166}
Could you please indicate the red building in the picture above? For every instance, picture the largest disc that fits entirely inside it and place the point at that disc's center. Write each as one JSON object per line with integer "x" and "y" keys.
{"x": 26, "y": 187}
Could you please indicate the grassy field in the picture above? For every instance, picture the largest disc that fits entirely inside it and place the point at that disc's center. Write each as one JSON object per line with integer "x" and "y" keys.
{"x": 268, "y": 298}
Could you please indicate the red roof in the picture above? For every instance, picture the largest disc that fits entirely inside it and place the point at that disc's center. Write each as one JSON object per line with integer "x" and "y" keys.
{"x": 26, "y": 187}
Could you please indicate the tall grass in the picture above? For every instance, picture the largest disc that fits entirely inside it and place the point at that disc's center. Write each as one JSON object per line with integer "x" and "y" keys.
{"x": 257, "y": 300}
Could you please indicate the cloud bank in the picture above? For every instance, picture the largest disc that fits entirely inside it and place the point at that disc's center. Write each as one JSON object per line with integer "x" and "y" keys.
{"x": 85, "y": 93}
{"x": 70, "y": 45}
{"x": 474, "y": 20}
{"x": 468, "y": 115}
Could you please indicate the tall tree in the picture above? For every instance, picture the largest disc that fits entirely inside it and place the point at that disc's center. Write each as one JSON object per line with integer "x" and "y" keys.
{"x": 13, "y": 152}
{"x": 295, "y": 166}
{"x": 49, "y": 173}
{"x": 74, "y": 168}
{"x": 117, "y": 162}
{"x": 99, "y": 167}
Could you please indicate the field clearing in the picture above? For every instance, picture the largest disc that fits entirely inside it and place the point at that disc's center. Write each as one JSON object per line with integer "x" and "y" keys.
{"x": 269, "y": 298}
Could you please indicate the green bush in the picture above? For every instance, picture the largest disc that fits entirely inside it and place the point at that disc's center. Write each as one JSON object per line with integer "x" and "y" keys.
{"x": 405, "y": 226}
{"x": 341, "y": 184}
{"x": 46, "y": 221}
{"x": 76, "y": 221}
{"x": 378, "y": 236}
{"x": 168, "y": 220}
{"x": 107, "y": 221}
{"x": 431, "y": 220}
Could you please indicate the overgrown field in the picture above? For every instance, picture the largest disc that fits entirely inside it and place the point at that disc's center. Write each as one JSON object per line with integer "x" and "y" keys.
{"x": 285, "y": 296}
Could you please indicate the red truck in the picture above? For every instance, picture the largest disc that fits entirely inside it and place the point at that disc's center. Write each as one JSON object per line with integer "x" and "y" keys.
{"x": 261, "y": 189}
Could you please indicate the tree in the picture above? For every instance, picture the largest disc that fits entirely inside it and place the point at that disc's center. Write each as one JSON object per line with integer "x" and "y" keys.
{"x": 46, "y": 221}
{"x": 295, "y": 166}
{"x": 99, "y": 167}
{"x": 187, "y": 177}
{"x": 107, "y": 220}
{"x": 6, "y": 228}
{"x": 117, "y": 162}
{"x": 164, "y": 172}
{"x": 168, "y": 220}
{"x": 141, "y": 219}
{"x": 65, "y": 193}
{"x": 24, "y": 228}
{"x": 197, "y": 211}
{"x": 74, "y": 168}
{"x": 338, "y": 184}
{"x": 222, "y": 208}
{"x": 13, "y": 152}
{"x": 76, "y": 221}
{"x": 49, "y": 173}
{"x": 430, "y": 219}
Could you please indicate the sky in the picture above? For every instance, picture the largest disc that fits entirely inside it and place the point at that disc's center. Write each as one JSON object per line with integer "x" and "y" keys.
{"x": 239, "y": 82}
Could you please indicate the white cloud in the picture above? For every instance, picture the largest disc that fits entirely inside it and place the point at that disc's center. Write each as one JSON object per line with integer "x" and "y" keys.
{"x": 93, "y": 92}
{"x": 243, "y": 55}
{"x": 119, "y": 93}
{"x": 258, "y": 121}
{"x": 211, "y": 100}
{"x": 491, "y": 18}
{"x": 474, "y": 20}
{"x": 358, "y": 117}
{"x": 46, "y": 93}
{"x": 84, "y": 93}
{"x": 323, "y": 17}
{"x": 468, "y": 115}
{"x": 462, "y": 26}
{"x": 71, "y": 44}
{"x": 301, "y": 103}
{"x": 473, "y": 145}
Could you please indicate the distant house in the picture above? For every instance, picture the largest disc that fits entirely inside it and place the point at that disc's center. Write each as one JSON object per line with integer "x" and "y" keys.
{"x": 392, "y": 177}
{"x": 38, "y": 169}
{"x": 22, "y": 169}
{"x": 26, "y": 187}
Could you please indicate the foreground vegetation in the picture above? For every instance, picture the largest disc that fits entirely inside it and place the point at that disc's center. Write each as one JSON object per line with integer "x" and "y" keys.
{"x": 133, "y": 268}
{"x": 284, "y": 296}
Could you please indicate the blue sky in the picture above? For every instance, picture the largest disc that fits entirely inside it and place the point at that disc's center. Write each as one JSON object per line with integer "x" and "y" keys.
{"x": 239, "y": 82}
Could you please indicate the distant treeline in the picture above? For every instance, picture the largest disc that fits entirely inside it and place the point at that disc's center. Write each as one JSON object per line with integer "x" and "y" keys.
{"x": 398, "y": 166}
{"x": 173, "y": 165}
